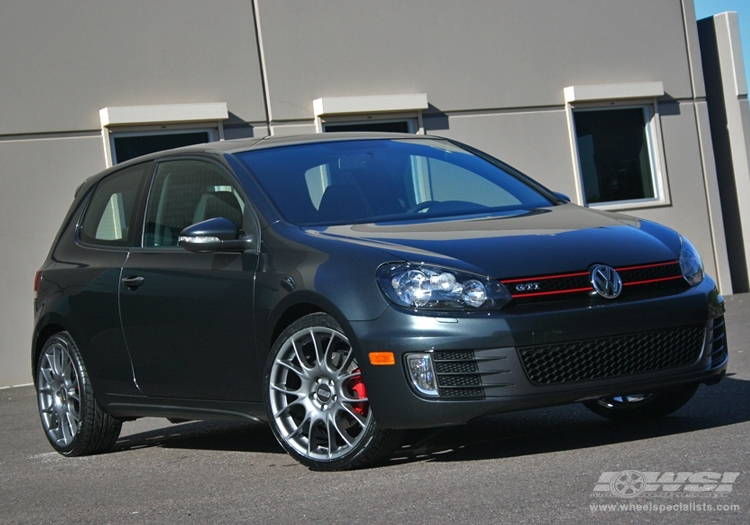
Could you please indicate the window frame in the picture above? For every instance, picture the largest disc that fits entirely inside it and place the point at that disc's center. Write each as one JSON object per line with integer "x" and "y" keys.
{"x": 412, "y": 120}
{"x": 371, "y": 108}
{"x": 621, "y": 96}
{"x": 167, "y": 118}
{"x": 147, "y": 131}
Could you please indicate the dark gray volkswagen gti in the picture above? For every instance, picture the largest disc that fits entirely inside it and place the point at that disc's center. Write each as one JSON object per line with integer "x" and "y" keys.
{"x": 346, "y": 287}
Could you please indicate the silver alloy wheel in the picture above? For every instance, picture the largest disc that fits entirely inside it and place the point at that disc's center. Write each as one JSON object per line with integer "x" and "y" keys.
{"x": 316, "y": 394}
{"x": 59, "y": 393}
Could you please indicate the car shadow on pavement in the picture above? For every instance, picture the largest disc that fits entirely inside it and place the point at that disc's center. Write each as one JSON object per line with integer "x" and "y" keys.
{"x": 239, "y": 436}
{"x": 521, "y": 433}
{"x": 572, "y": 427}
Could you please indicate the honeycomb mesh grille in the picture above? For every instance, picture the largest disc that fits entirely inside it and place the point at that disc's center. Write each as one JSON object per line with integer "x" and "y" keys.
{"x": 458, "y": 375}
{"x": 463, "y": 393}
{"x": 612, "y": 356}
{"x": 458, "y": 380}
{"x": 462, "y": 355}
{"x": 718, "y": 340}
{"x": 650, "y": 273}
{"x": 455, "y": 367}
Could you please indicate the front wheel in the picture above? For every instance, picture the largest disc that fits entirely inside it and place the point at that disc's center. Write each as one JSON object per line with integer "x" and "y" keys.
{"x": 317, "y": 402}
{"x": 73, "y": 422}
{"x": 638, "y": 407}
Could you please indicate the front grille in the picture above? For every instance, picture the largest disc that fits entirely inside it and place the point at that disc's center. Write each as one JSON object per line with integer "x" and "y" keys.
{"x": 651, "y": 273}
{"x": 644, "y": 277}
{"x": 612, "y": 356}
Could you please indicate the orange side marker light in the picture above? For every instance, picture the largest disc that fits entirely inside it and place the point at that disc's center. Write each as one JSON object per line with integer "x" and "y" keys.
{"x": 382, "y": 358}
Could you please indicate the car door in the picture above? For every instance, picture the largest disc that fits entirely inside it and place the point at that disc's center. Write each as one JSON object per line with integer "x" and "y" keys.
{"x": 88, "y": 273}
{"x": 187, "y": 317}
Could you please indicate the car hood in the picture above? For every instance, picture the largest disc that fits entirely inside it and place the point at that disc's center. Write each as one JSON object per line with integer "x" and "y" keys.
{"x": 559, "y": 239}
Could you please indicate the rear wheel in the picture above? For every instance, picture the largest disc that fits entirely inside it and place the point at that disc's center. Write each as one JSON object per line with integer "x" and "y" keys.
{"x": 638, "y": 407}
{"x": 73, "y": 422}
{"x": 317, "y": 402}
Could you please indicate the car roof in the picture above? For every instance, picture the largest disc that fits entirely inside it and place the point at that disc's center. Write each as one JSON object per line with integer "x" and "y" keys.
{"x": 245, "y": 144}
{"x": 239, "y": 145}
{"x": 278, "y": 141}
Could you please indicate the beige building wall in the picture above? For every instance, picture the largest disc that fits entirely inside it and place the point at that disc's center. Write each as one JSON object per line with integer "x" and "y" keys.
{"x": 39, "y": 178}
{"x": 467, "y": 55}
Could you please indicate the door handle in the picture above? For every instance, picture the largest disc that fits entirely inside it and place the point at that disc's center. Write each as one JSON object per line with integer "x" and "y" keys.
{"x": 133, "y": 282}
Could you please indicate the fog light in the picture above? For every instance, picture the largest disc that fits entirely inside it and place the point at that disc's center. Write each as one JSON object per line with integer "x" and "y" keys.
{"x": 421, "y": 373}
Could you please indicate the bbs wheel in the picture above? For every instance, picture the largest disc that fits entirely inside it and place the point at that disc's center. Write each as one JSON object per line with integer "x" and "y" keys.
{"x": 317, "y": 402}
{"x": 72, "y": 420}
{"x": 638, "y": 407}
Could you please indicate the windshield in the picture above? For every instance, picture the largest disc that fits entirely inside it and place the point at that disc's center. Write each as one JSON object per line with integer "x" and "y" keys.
{"x": 360, "y": 181}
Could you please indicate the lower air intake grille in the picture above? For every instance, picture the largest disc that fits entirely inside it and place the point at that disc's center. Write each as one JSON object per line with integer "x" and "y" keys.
{"x": 458, "y": 375}
{"x": 612, "y": 356}
{"x": 717, "y": 339}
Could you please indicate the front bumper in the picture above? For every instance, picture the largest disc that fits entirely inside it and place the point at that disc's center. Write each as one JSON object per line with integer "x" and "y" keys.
{"x": 501, "y": 349}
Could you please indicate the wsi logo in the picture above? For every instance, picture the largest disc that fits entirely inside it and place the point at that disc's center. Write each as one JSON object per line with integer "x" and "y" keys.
{"x": 632, "y": 483}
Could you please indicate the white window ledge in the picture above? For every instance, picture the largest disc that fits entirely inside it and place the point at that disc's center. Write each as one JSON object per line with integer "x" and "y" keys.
{"x": 163, "y": 114}
{"x": 614, "y": 91}
{"x": 369, "y": 104}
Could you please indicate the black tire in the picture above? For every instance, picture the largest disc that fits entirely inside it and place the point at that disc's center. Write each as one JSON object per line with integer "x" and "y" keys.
{"x": 641, "y": 407}
{"x": 311, "y": 390}
{"x": 73, "y": 422}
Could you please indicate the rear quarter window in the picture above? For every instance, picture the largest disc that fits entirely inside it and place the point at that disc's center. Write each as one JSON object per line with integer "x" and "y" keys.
{"x": 109, "y": 219}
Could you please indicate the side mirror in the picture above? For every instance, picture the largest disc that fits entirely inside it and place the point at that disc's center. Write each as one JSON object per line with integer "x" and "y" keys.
{"x": 562, "y": 196}
{"x": 215, "y": 235}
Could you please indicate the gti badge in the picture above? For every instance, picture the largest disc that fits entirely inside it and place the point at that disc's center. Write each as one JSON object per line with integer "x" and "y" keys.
{"x": 527, "y": 287}
{"x": 606, "y": 281}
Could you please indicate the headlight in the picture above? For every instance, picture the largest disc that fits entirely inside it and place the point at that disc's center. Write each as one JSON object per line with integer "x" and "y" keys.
{"x": 434, "y": 288}
{"x": 690, "y": 263}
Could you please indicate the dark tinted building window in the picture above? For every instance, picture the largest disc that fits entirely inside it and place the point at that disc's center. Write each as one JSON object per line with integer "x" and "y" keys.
{"x": 400, "y": 126}
{"x": 614, "y": 154}
{"x": 131, "y": 146}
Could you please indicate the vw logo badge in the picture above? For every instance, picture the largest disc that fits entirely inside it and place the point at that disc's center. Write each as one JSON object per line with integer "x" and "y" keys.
{"x": 606, "y": 281}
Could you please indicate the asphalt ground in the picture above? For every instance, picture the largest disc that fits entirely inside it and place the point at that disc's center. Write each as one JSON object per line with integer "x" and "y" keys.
{"x": 557, "y": 465}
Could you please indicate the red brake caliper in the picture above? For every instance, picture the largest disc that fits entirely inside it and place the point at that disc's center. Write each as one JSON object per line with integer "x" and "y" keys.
{"x": 358, "y": 387}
